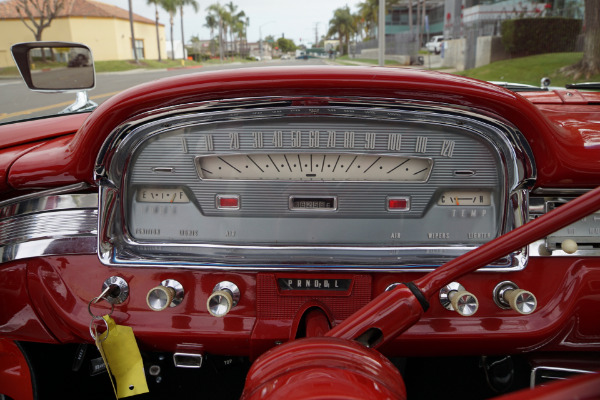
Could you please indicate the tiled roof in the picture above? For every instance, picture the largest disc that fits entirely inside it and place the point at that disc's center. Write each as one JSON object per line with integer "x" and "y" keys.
{"x": 75, "y": 8}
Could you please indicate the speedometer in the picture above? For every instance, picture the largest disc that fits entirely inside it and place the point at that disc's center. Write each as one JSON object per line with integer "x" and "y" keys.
{"x": 314, "y": 166}
{"x": 293, "y": 185}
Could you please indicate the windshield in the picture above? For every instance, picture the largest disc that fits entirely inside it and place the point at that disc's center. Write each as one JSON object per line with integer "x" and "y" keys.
{"x": 513, "y": 43}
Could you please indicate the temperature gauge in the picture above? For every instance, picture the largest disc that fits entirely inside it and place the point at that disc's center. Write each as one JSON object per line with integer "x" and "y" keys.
{"x": 465, "y": 198}
{"x": 161, "y": 195}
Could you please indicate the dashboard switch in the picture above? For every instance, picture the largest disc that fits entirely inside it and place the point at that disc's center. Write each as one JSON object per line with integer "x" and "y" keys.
{"x": 454, "y": 297}
{"x": 168, "y": 294}
{"x": 507, "y": 295}
{"x": 224, "y": 297}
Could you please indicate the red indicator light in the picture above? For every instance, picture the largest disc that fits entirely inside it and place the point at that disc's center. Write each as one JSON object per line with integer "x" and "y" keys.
{"x": 231, "y": 202}
{"x": 398, "y": 204}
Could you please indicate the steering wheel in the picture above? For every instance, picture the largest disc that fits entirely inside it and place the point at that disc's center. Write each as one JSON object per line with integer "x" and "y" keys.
{"x": 344, "y": 364}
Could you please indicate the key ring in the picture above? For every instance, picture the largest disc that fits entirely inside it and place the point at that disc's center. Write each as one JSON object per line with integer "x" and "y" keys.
{"x": 94, "y": 301}
{"x": 94, "y": 330}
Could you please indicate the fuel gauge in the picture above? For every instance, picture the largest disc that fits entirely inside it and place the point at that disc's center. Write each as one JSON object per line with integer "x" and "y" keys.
{"x": 161, "y": 195}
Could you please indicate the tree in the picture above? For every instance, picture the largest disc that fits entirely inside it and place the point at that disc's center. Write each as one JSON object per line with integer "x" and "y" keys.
{"x": 135, "y": 56}
{"x": 37, "y": 15}
{"x": 182, "y": 3}
{"x": 219, "y": 13}
{"x": 170, "y": 6}
{"x": 212, "y": 23}
{"x": 156, "y": 2}
{"x": 286, "y": 45}
{"x": 590, "y": 63}
{"x": 342, "y": 23}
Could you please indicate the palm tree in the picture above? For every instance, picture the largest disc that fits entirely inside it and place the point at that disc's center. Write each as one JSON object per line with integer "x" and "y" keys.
{"x": 342, "y": 23}
{"x": 170, "y": 6}
{"x": 156, "y": 2}
{"x": 368, "y": 12}
{"x": 135, "y": 56}
{"x": 211, "y": 23}
{"x": 182, "y": 3}
{"x": 219, "y": 14}
{"x": 231, "y": 20}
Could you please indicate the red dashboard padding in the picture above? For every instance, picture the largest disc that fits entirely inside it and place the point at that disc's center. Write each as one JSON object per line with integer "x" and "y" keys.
{"x": 323, "y": 368}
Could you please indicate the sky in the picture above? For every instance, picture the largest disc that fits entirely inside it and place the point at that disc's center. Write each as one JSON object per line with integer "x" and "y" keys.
{"x": 295, "y": 19}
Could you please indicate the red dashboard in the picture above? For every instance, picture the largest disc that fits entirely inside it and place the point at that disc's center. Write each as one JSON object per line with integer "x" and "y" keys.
{"x": 234, "y": 276}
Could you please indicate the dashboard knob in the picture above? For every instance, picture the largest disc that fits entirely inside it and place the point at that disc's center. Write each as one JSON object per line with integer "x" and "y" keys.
{"x": 569, "y": 246}
{"x": 219, "y": 303}
{"x": 463, "y": 302}
{"x": 224, "y": 297}
{"x": 160, "y": 297}
{"x": 454, "y": 297}
{"x": 521, "y": 301}
{"x": 168, "y": 294}
{"x": 507, "y": 295}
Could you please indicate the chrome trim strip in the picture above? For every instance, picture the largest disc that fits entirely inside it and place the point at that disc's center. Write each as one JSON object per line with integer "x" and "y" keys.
{"x": 49, "y": 203}
{"x": 534, "y": 371}
{"x": 559, "y": 191}
{"x": 78, "y": 187}
{"x": 50, "y": 223}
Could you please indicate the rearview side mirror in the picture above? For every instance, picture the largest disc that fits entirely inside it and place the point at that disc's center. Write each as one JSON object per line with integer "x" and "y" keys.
{"x": 55, "y": 66}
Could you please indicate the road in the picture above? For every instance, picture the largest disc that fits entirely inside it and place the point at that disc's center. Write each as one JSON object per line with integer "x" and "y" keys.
{"x": 18, "y": 102}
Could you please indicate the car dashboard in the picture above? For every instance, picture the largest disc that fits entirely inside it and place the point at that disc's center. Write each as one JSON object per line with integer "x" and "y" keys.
{"x": 223, "y": 214}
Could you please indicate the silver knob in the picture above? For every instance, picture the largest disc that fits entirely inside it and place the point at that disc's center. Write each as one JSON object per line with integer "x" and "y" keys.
{"x": 507, "y": 295}
{"x": 224, "y": 297}
{"x": 168, "y": 294}
{"x": 454, "y": 297}
{"x": 463, "y": 302}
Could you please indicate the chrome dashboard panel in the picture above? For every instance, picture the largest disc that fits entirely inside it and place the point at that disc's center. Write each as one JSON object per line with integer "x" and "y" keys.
{"x": 350, "y": 184}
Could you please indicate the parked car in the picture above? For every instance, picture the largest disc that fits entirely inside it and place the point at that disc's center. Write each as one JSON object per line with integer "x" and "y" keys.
{"x": 301, "y": 232}
{"x": 435, "y": 44}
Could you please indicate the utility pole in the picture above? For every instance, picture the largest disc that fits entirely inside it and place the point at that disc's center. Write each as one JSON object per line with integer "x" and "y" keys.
{"x": 316, "y": 34}
{"x": 381, "y": 31}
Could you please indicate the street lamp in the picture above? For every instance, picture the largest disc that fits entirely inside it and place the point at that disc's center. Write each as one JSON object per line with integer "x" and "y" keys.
{"x": 260, "y": 47}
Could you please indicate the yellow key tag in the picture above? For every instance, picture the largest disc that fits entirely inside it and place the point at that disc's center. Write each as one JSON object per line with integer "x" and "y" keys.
{"x": 123, "y": 360}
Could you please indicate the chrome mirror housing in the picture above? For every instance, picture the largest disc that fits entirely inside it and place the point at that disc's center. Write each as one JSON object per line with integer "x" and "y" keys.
{"x": 57, "y": 67}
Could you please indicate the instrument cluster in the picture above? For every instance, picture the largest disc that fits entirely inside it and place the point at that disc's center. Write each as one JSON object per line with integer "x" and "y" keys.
{"x": 272, "y": 184}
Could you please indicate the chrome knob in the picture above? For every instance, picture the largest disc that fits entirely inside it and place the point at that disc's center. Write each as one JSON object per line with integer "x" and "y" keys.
{"x": 224, "y": 297}
{"x": 463, "y": 302}
{"x": 454, "y": 297}
{"x": 168, "y": 294}
{"x": 521, "y": 301}
{"x": 507, "y": 295}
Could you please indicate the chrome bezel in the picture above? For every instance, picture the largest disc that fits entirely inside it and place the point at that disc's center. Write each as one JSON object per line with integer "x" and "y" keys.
{"x": 117, "y": 248}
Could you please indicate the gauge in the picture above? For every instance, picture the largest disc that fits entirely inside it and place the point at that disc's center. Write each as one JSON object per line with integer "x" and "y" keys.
{"x": 161, "y": 195}
{"x": 465, "y": 198}
{"x": 314, "y": 166}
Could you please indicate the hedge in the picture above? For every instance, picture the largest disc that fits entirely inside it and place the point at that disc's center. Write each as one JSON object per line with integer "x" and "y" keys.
{"x": 528, "y": 36}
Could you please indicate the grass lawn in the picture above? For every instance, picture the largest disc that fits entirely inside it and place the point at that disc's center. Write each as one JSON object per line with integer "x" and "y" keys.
{"x": 530, "y": 70}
